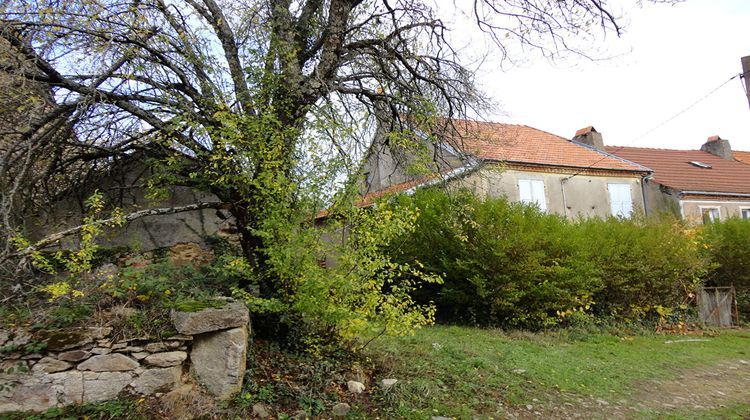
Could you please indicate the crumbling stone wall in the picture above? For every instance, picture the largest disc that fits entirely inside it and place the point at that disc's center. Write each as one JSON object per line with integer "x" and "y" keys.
{"x": 85, "y": 365}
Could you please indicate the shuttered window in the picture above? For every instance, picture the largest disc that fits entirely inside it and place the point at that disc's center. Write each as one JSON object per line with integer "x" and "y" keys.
{"x": 710, "y": 214}
{"x": 532, "y": 192}
{"x": 620, "y": 200}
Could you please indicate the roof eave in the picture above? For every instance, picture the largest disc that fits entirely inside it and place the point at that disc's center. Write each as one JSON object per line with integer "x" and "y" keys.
{"x": 721, "y": 194}
{"x": 637, "y": 171}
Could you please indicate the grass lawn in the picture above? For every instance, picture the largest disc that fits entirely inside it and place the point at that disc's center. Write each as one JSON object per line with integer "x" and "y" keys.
{"x": 465, "y": 372}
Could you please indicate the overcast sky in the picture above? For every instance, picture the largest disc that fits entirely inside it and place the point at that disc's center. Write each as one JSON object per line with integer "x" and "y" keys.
{"x": 668, "y": 58}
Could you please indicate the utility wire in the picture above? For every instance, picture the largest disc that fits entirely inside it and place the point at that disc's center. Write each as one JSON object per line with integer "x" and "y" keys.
{"x": 684, "y": 110}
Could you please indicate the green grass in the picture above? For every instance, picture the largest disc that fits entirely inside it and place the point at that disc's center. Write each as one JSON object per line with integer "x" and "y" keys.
{"x": 462, "y": 372}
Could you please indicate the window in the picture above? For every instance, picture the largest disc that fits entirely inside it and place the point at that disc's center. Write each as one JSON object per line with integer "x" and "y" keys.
{"x": 620, "y": 200}
{"x": 710, "y": 214}
{"x": 700, "y": 164}
{"x": 745, "y": 213}
{"x": 532, "y": 192}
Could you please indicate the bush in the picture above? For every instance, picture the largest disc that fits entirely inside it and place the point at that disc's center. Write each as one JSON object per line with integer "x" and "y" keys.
{"x": 727, "y": 244}
{"x": 507, "y": 264}
{"x": 646, "y": 265}
{"x": 362, "y": 295}
{"x": 502, "y": 263}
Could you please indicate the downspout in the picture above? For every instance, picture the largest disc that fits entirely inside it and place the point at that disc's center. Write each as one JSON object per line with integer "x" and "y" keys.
{"x": 565, "y": 200}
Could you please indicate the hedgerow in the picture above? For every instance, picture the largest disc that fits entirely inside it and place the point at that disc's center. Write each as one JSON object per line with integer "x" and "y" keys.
{"x": 509, "y": 264}
{"x": 727, "y": 244}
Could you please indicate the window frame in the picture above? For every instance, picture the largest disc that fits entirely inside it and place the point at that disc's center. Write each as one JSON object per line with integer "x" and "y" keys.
{"x": 542, "y": 205}
{"x": 631, "y": 205}
{"x": 718, "y": 211}
{"x": 743, "y": 209}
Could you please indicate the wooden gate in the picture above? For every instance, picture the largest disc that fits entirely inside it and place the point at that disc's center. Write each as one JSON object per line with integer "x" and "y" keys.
{"x": 717, "y": 306}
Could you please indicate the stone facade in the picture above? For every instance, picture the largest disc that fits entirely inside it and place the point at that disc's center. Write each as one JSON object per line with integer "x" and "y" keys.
{"x": 84, "y": 365}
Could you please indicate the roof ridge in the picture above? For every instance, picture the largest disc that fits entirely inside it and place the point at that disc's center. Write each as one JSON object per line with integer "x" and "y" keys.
{"x": 654, "y": 148}
{"x": 611, "y": 155}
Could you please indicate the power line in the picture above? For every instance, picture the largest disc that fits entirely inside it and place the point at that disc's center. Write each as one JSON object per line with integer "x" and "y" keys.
{"x": 689, "y": 107}
{"x": 699, "y": 100}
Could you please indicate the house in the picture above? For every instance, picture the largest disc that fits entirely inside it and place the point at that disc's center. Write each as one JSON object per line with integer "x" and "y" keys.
{"x": 562, "y": 176}
{"x": 700, "y": 185}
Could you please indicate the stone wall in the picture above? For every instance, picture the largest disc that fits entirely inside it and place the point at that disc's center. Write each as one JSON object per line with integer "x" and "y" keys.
{"x": 54, "y": 368}
{"x": 123, "y": 186}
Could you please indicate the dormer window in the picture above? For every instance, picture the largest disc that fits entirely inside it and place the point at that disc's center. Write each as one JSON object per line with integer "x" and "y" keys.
{"x": 700, "y": 164}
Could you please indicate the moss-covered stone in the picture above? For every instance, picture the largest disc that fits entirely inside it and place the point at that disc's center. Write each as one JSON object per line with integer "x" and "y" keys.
{"x": 199, "y": 305}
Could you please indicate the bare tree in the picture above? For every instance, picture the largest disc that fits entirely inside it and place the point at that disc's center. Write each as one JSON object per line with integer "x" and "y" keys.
{"x": 223, "y": 93}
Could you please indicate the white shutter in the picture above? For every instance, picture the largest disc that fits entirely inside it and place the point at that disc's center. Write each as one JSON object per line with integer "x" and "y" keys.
{"x": 537, "y": 192}
{"x": 620, "y": 200}
{"x": 532, "y": 192}
{"x": 524, "y": 191}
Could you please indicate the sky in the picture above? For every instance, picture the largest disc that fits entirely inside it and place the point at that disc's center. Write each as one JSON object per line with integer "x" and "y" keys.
{"x": 669, "y": 57}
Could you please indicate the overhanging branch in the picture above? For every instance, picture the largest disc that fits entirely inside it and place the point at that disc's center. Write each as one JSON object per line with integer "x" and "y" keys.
{"x": 56, "y": 237}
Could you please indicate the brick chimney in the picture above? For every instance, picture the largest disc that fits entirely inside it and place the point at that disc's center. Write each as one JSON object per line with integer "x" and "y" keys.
{"x": 589, "y": 136}
{"x": 719, "y": 147}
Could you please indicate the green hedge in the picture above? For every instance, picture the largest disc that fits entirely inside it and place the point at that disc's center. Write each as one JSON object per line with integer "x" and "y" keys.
{"x": 727, "y": 244}
{"x": 508, "y": 264}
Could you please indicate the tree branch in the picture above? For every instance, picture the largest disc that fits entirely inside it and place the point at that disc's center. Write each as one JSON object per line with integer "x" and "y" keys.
{"x": 56, "y": 237}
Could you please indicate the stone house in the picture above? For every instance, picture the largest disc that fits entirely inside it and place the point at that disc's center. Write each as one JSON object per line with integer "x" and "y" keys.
{"x": 573, "y": 178}
{"x": 711, "y": 183}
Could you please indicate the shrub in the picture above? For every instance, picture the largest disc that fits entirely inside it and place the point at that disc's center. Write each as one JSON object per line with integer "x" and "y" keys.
{"x": 502, "y": 263}
{"x": 646, "y": 265}
{"x": 512, "y": 265}
{"x": 727, "y": 244}
{"x": 362, "y": 295}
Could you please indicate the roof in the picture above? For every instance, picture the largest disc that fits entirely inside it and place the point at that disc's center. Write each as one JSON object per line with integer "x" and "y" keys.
{"x": 673, "y": 169}
{"x": 743, "y": 157}
{"x": 524, "y": 144}
{"x": 432, "y": 179}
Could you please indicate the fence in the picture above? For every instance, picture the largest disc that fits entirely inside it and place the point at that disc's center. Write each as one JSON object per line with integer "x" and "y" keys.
{"x": 717, "y": 306}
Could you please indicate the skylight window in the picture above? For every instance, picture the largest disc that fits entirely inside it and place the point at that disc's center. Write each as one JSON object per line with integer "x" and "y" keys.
{"x": 700, "y": 164}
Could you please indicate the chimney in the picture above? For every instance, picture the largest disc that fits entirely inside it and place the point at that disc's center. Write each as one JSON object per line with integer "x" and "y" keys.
{"x": 746, "y": 75}
{"x": 589, "y": 136}
{"x": 719, "y": 147}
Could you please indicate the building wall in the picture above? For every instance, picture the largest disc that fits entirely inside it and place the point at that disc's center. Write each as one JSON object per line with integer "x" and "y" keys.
{"x": 660, "y": 199}
{"x": 123, "y": 188}
{"x": 692, "y": 209}
{"x": 386, "y": 165}
{"x": 585, "y": 195}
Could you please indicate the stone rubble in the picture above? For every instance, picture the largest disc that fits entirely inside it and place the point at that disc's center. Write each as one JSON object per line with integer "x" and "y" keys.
{"x": 82, "y": 365}
{"x": 355, "y": 387}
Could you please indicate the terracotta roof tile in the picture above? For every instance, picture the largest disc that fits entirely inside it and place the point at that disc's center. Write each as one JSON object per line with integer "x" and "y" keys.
{"x": 371, "y": 197}
{"x": 524, "y": 144}
{"x": 743, "y": 157}
{"x": 673, "y": 169}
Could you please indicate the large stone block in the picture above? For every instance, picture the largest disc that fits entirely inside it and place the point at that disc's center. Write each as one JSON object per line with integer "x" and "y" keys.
{"x": 102, "y": 386}
{"x": 154, "y": 380}
{"x": 233, "y": 314}
{"x": 39, "y": 391}
{"x": 50, "y": 365}
{"x": 218, "y": 360}
{"x": 69, "y": 386}
{"x": 29, "y": 397}
{"x": 167, "y": 359}
{"x": 109, "y": 362}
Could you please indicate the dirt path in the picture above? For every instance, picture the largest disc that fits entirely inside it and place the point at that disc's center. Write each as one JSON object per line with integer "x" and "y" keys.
{"x": 698, "y": 389}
